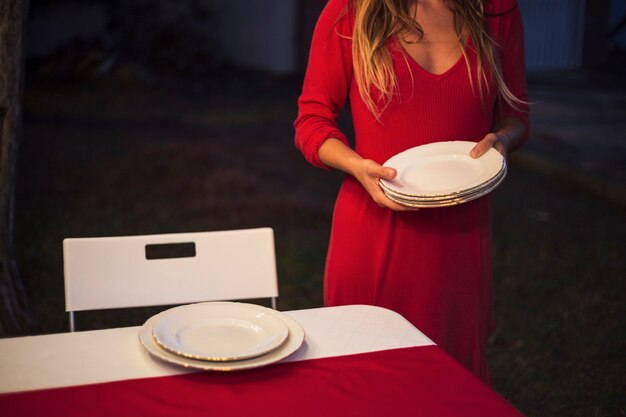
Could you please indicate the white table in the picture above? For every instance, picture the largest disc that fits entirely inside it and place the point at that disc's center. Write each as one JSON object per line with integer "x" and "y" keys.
{"x": 69, "y": 359}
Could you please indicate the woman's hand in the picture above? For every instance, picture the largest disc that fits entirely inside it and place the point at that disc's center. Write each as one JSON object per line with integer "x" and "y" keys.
{"x": 507, "y": 136}
{"x": 491, "y": 140}
{"x": 335, "y": 154}
{"x": 369, "y": 173}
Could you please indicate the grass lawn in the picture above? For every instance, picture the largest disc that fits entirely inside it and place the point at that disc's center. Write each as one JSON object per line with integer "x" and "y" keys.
{"x": 112, "y": 159}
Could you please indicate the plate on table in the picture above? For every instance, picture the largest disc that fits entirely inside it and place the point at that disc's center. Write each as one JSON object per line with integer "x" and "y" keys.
{"x": 220, "y": 331}
{"x": 442, "y": 169}
{"x": 292, "y": 343}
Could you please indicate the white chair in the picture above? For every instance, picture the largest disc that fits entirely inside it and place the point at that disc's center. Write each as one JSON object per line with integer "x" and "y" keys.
{"x": 152, "y": 270}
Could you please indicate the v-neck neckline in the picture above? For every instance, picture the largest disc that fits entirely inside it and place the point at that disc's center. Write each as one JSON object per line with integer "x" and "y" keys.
{"x": 405, "y": 54}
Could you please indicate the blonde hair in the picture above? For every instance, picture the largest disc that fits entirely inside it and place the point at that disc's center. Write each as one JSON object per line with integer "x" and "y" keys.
{"x": 377, "y": 21}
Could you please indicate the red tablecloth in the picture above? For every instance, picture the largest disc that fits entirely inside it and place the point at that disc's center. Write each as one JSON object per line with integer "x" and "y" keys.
{"x": 418, "y": 381}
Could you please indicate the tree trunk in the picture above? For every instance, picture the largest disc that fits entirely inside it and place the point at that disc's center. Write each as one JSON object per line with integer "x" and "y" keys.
{"x": 14, "y": 313}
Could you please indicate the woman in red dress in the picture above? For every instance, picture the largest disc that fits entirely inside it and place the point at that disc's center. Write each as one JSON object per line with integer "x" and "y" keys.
{"x": 414, "y": 72}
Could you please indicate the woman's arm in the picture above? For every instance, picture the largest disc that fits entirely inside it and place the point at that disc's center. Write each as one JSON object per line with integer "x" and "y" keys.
{"x": 326, "y": 82}
{"x": 511, "y": 126}
{"x": 324, "y": 93}
{"x": 335, "y": 154}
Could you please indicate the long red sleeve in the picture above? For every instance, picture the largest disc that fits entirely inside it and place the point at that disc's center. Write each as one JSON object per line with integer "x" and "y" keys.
{"x": 326, "y": 82}
{"x": 505, "y": 24}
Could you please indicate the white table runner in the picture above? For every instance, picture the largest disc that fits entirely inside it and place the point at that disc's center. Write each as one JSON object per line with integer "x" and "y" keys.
{"x": 66, "y": 359}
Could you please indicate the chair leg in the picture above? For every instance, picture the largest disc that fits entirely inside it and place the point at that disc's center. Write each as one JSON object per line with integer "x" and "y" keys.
{"x": 71, "y": 313}
{"x": 274, "y": 303}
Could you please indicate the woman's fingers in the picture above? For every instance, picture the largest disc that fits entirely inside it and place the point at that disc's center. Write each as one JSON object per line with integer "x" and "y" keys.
{"x": 378, "y": 171}
{"x": 392, "y": 205}
{"x": 484, "y": 145}
{"x": 373, "y": 173}
{"x": 490, "y": 140}
{"x": 382, "y": 200}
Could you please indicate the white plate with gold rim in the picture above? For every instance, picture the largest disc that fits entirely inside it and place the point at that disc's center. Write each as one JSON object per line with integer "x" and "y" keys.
{"x": 291, "y": 345}
{"x": 434, "y": 200}
{"x": 441, "y": 168}
{"x": 220, "y": 331}
{"x": 447, "y": 202}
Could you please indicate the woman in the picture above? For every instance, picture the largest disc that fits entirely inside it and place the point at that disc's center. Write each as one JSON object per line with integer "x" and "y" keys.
{"x": 415, "y": 72}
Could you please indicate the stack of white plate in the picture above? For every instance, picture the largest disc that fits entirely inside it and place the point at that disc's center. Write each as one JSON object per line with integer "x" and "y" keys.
{"x": 221, "y": 336}
{"x": 443, "y": 174}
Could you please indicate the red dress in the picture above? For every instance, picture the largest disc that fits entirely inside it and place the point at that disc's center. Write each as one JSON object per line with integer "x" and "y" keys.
{"x": 433, "y": 266}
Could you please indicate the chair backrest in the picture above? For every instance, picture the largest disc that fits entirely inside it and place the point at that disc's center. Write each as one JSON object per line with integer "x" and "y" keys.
{"x": 150, "y": 270}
